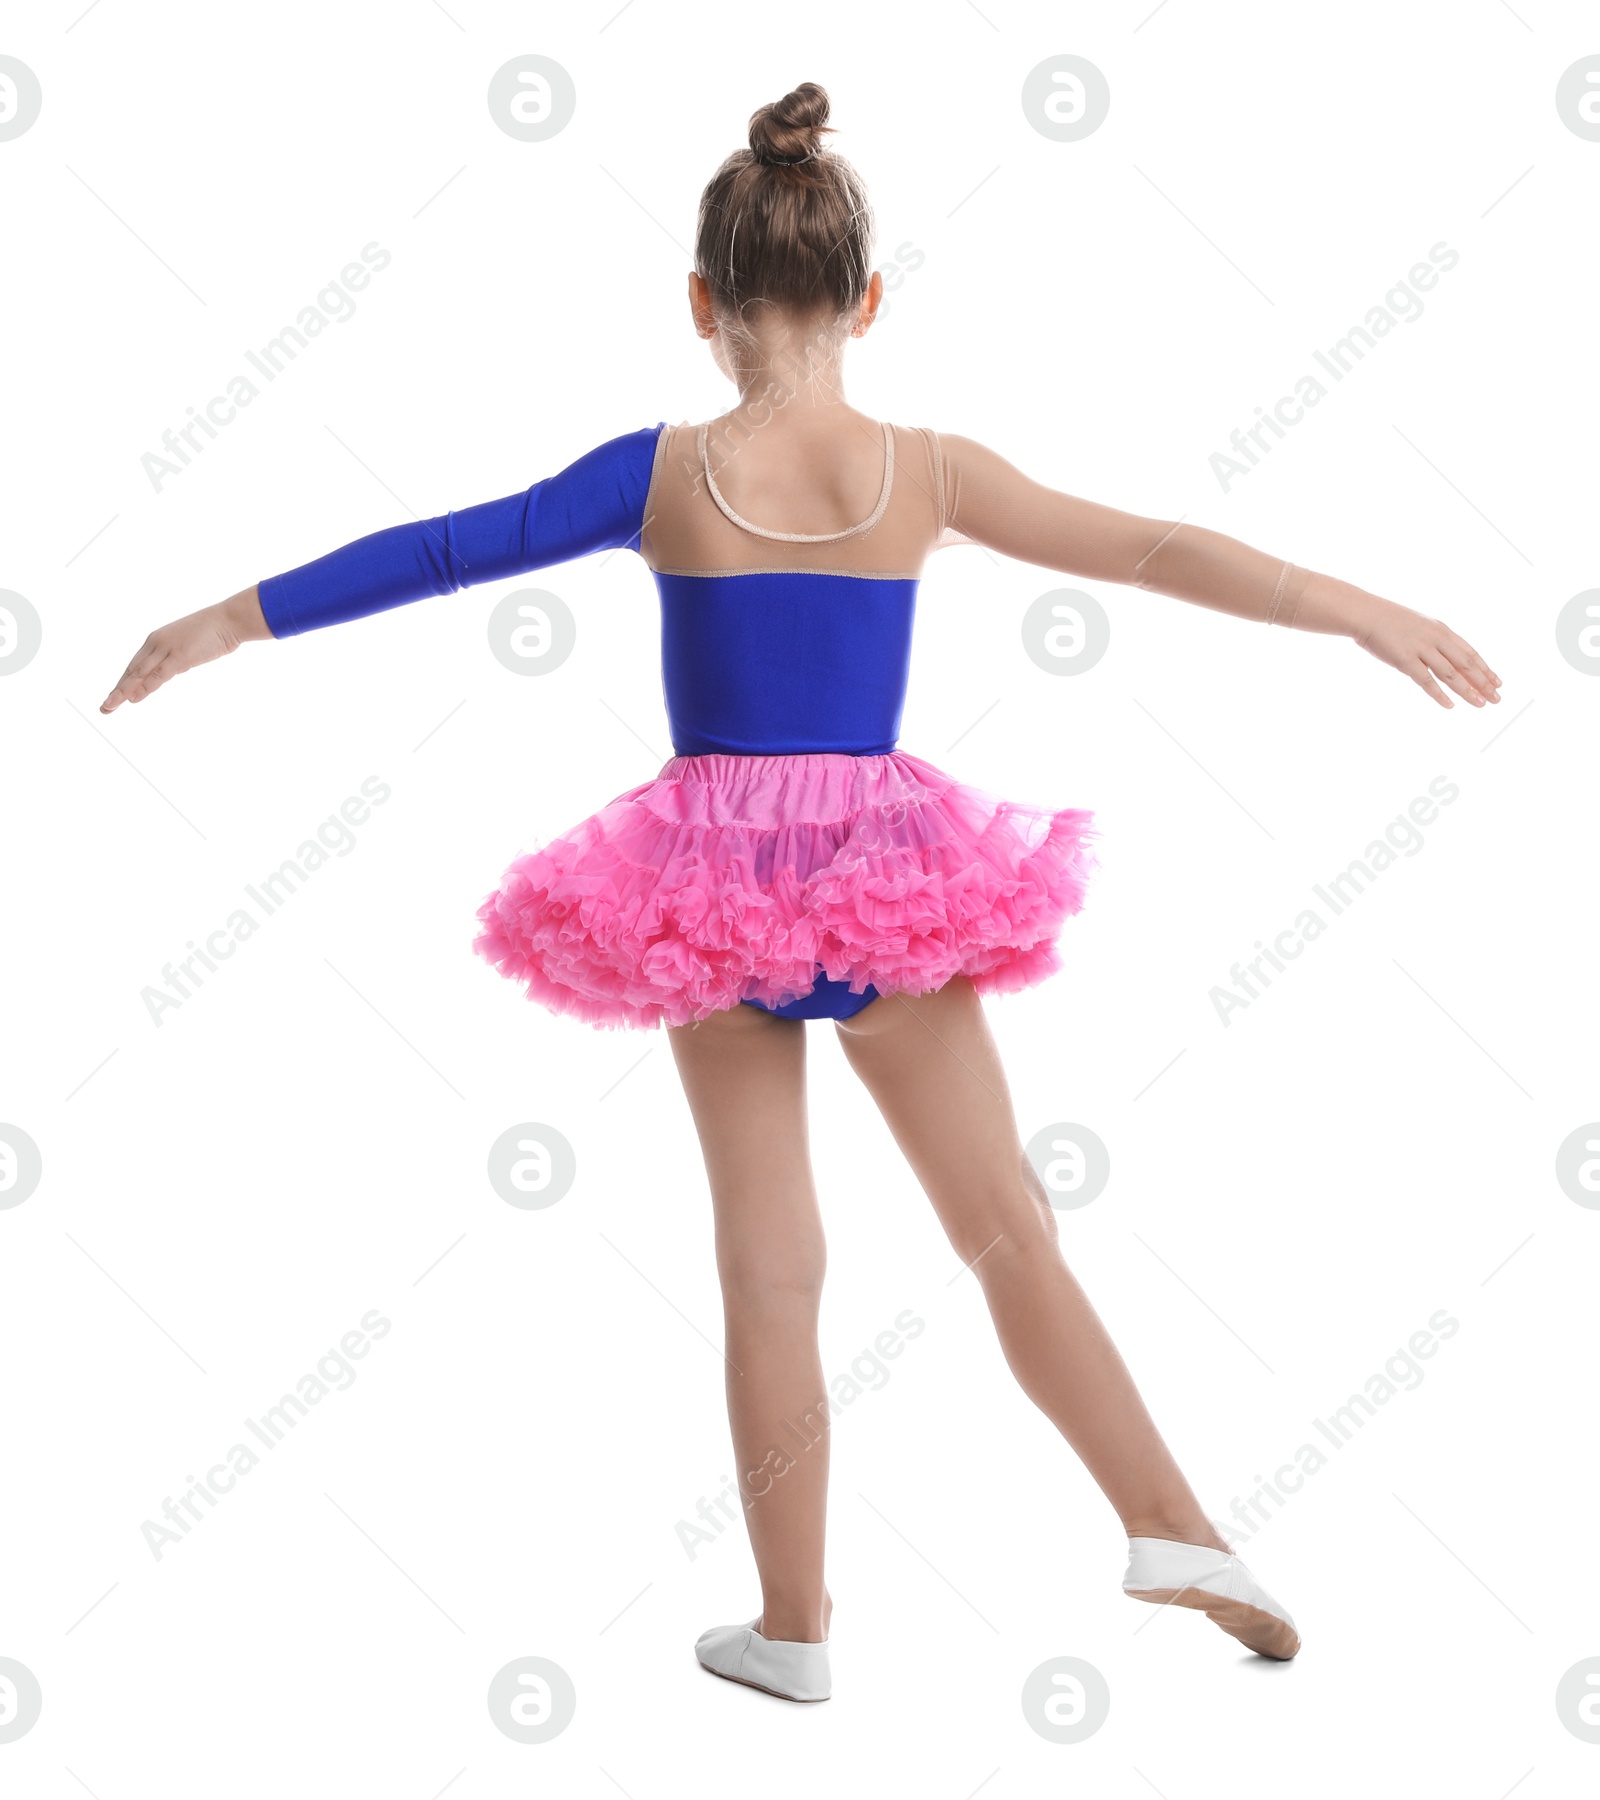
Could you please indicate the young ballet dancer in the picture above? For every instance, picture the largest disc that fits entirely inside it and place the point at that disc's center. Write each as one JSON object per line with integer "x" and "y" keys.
{"x": 789, "y": 862}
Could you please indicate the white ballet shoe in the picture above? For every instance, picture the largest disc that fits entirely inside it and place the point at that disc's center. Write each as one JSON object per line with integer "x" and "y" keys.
{"x": 1216, "y": 1583}
{"x": 789, "y": 1671}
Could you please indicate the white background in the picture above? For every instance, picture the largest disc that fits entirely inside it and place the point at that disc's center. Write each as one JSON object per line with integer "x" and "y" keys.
{"x": 1291, "y": 1196}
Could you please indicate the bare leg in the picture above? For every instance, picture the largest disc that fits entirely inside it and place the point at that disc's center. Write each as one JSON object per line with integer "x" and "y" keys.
{"x": 744, "y": 1074}
{"x": 931, "y": 1065}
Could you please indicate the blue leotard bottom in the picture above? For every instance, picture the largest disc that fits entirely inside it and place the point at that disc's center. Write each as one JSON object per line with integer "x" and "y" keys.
{"x": 829, "y": 999}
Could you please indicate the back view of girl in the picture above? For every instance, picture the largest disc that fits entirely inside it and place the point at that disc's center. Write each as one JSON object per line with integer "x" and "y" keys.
{"x": 789, "y": 862}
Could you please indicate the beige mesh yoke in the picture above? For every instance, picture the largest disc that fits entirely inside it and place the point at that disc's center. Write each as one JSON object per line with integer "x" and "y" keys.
{"x": 697, "y": 521}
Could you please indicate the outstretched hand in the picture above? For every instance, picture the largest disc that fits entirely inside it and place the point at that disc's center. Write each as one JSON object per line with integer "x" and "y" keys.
{"x": 186, "y": 643}
{"x": 1430, "y": 653}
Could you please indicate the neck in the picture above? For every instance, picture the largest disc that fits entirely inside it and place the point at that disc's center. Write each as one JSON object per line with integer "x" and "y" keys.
{"x": 794, "y": 366}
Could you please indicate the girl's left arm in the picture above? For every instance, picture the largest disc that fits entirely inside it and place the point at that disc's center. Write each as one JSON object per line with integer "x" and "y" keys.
{"x": 990, "y": 501}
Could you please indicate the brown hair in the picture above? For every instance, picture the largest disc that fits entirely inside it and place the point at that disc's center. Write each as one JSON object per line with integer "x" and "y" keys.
{"x": 786, "y": 223}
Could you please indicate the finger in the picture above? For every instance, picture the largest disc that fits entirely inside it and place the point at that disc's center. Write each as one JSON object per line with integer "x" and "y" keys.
{"x": 1464, "y": 656}
{"x": 1454, "y": 662}
{"x": 148, "y": 655}
{"x": 158, "y": 677}
{"x": 124, "y": 690}
{"x": 1423, "y": 677}
{"x": 1452, "y": 677}
{"x": 1486, "y": 682}
{"x": 153, "y": 677}
{"x": 1459, "y": 647}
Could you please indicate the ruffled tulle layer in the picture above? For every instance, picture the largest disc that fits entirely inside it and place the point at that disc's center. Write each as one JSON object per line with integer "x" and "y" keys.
{"x": 732, "y": 878}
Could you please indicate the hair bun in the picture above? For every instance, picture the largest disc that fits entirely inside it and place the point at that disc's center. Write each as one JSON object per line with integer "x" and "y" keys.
{"x": 789, "y": 131}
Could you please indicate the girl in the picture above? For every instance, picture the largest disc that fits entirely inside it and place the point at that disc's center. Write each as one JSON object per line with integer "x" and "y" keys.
{"x": 790, "y": 863}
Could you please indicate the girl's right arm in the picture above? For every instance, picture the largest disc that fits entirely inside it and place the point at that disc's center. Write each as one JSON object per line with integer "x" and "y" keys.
{"x": 989, "y": 501}
{"x": 596, "y": 503}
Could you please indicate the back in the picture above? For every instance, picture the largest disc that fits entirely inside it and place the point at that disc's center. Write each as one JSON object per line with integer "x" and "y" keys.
{"x": 789, "y": 632}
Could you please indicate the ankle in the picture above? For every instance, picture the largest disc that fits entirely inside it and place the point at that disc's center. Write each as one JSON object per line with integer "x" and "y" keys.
{"x": 792, "y": 1627}
{"x": 1183, "y": 1531}
{"x": 785, "y": 1622}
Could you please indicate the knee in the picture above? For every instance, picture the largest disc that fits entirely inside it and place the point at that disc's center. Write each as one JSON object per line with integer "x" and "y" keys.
{"x": 1049, "y": 1223}
{"x": 1014, "y": 1224}
{"x": 766, "y": 1284}
{"x": 1021, "y": 1241}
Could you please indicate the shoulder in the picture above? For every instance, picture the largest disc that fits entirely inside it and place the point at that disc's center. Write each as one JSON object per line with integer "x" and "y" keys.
{"x": 952, "y": 447}
{"x": 970, "y": 469}
{"x": 622, "y": 464}
{"x": 950, "y": 452}
{"x": 642, "y": 444}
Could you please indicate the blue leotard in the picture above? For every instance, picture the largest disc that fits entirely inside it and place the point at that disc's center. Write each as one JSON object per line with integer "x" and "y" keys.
{"x": 770, "y": 663}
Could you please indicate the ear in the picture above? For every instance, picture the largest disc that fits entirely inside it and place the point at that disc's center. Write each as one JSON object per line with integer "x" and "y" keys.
{"x": 700, "y": 309}
{"x": 870, "y": 302}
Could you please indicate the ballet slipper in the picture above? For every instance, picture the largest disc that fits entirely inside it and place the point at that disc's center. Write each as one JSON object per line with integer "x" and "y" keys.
{"x": 786, "y": 1670}
{"x": 1216, "y": 1583}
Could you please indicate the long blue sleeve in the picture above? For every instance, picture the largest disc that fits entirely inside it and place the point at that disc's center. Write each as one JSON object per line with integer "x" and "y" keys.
{"x": 597, "y": 503}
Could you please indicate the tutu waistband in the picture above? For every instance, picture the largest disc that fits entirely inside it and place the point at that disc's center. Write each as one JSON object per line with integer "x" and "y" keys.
{"x": 821, "y": 787}
{"x": 723, "y": 765}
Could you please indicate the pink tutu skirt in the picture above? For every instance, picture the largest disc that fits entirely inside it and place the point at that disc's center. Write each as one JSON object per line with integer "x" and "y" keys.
{"x": 731, "y": 878}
